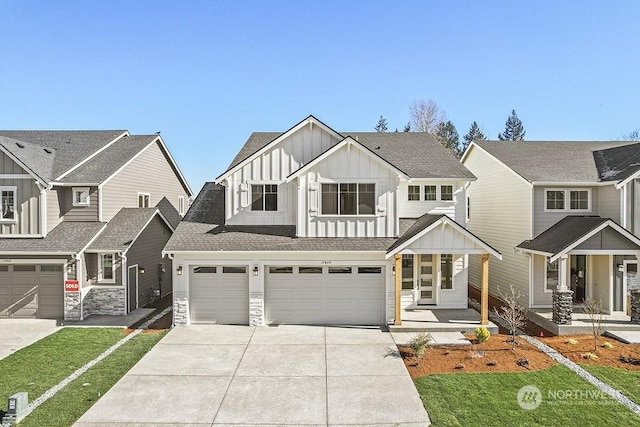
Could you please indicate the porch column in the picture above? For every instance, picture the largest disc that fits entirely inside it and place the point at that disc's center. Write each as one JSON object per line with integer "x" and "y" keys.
{"x": 398, "y": 270}
{"x": 562, "y": 300}
{"x": 484, "y": 291}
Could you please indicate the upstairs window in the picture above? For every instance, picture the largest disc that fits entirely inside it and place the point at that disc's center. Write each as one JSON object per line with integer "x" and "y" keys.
{"x": 264, "y": 197}
{"x": 567, "y": 200}
{"x": 430, "y": 192}
{"x": 181, "y": 205}
{"x": 552, "y": 276}
{"x": 446, "y": 192}
{"x": 8, "y": 201}
{"x": 348, "y": 199}
{"x": 144, "y": 200}
{"x": 413, "y": 193}
{"x": 81, "y": 196}
{"x": 107, "y": 269}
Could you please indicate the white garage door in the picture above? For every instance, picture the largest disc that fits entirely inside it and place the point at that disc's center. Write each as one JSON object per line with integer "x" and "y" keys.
{"x": 28, "y": 290}
{"x": 325, "y": 295}
{"x": 219, "y": 294}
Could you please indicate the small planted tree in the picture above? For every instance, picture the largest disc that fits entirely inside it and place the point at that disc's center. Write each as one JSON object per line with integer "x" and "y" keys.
{"x": 593, "y": 308}
{"x": 513, "y": 313}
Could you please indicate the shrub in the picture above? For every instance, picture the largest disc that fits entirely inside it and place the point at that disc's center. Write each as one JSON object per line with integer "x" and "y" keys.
{"x": 419, "y": 344}
{"x": 523, "y": 361}
{"x": 514, "y": 314}
{"x": 606, "y": 344}
{"x": 589, "y": 356}
{"x": 482, "y": 334}
{"x": 572, "y": 341}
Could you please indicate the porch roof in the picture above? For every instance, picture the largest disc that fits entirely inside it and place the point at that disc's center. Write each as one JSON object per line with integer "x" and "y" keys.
{"x": 574, "y": 232}
{"x": 451, "y": 237}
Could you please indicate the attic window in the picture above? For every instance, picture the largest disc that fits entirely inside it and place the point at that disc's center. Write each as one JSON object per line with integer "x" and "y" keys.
{"x": 81, "y": 196}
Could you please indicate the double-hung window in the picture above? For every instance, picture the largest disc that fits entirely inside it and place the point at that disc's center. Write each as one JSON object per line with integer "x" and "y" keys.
{"x": 264, "y": 197}
{"x": 558, "y": 199}
{"x": 348, "y": 199}
{"x": 144, "y": 200}
{"x": 446, "y": 192}
{"x": 413, "y": 193}
{"x": 81, "y": 196}
{"x": 430, "y": 192}
{"x": 8, "y": 201}
{"x": 106, "y": 274}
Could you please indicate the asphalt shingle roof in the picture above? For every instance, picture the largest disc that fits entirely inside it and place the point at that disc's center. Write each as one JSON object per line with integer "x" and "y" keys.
{"x": 563, "y": 233}
{"x": 68, "y": 147}
{"x": 550, "y": 161}
{"x": 170, "y": 213}
{"x": 122, "y": 229}
{"x": 107, "y": 162}
{"x": 415, "y": 153}
{"x": 418, "y": 225}
{"x": 617, "y": 163}
{"x": 66, "y": 238}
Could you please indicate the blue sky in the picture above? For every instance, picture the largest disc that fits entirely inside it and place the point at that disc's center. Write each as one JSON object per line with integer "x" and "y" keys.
{"x": 208, "y": 73}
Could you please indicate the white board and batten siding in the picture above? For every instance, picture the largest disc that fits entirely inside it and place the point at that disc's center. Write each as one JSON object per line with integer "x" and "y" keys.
{"x": 150, "y": 172}
{"x": 348, "y": 165}
{"x": 273, "y": 167}
{"x": 27, "y": 200}
{"x": 501, "y": 215}
{"x": 454, "y": 209}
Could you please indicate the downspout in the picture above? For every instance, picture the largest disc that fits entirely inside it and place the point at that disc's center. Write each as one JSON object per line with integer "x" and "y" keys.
{"x": 123, "y": 258}
{"x": 79, "y": 275}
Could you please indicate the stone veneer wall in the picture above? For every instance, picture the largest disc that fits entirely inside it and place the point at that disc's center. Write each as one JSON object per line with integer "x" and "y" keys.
{"x": 72, "y": 309}
{"x": 256, "y": 310}
{"x": 180, "y": 311}
{"x": 562, "y": 306}
{"x": 635, "y": 306}
{"x": 110, "y": 301}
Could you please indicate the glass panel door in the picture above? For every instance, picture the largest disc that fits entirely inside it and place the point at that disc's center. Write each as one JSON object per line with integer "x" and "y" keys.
{"x": 426, "y": 275}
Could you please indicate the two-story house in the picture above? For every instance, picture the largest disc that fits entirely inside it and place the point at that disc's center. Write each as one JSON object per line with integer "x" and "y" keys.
{"x": 565, "y": 216}
{"x": 84, "y": 218}
{"x": 313, "y": 226}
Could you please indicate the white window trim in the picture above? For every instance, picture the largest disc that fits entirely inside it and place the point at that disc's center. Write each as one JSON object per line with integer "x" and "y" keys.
{"x": 181, "y": 205}
{"x": 441, "y": 275}
{"x": 75, "y": 190}
{"x": 424, "y": 192}
{"x": 567, "y": 199}
{"x": 15, "y": 204}
{"x": 144, "y": 194}
{"x": 453, "y": 192}
{"x": 263, "y": 183}
{"x": 546, "y": 266}
{"x": 338, "y": 215}
{"x": 419, "y": 199}
{"x": 101, "y": 278}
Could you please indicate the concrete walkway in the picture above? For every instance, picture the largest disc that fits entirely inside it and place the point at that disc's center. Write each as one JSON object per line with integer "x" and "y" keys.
{"x": 286, "y": 375}
{"x": 19, "y": 333}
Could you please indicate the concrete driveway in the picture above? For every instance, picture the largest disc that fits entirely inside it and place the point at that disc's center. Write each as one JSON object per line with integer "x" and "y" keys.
{"x": 285, "y": 375}
{"x": 18, "y": 333}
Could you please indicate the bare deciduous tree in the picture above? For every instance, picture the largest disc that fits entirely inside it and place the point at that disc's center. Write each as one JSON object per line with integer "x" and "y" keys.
{"x": 426, "y": 116}
{"x": 593, "y": 308}
{"x": 634, "y": 135}
{"x": 514, "y": 314}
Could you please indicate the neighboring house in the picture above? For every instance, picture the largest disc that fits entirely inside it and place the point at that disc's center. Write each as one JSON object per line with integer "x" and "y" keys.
{"x": 85, "y": 215}
{"x": 310, "y": 226}
{"x": 565, "y": 216}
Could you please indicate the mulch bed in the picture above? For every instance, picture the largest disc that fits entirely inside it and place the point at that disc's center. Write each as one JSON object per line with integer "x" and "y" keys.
{"x": 606, "y": 356}
{"x": 449, "y": 359}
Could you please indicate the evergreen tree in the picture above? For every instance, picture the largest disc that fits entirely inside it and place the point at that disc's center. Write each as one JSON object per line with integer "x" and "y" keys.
{"x": 382, "y": 125}
{"x": 407, "y": 127}
{"x": 447, "y": 135}
{"x": 513, "y": 130}
{"x": 474, "y": 134}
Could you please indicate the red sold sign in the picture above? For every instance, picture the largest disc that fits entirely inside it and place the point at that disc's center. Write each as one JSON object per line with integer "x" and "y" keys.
{"x": 71, "y": 286}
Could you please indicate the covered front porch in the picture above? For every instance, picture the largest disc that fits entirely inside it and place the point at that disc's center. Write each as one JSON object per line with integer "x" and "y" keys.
{"x": 579, "y": 259}
{"x": 431, "y": 263}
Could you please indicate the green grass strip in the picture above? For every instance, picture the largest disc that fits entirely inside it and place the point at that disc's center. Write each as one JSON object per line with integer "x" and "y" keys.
{"x": 490, "y": 399}
{"x": 40, "y": 366}
{"x": 75, "y": 399}
{"x": 627, "y": 382}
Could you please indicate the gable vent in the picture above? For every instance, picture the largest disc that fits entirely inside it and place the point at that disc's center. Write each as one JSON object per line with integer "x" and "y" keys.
{"x": 19, "y": 145}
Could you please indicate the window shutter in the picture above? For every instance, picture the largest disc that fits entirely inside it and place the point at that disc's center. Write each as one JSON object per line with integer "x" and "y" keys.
{"x": 244, "y": 194}
{"x": 313, "y": 198}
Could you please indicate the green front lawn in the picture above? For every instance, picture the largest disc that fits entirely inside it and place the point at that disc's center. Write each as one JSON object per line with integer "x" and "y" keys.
{"x": 40, "y": 366}
{"x": 627, "y": 382}
{"x": 76, "y": 398}
{"x": 490, "y": 400}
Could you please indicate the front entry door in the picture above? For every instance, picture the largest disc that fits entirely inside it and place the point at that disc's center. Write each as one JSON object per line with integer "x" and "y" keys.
{"x": 579, "y": 278}
{"x": 426, "y": 282}
{"x": 629, "y": 283}
{"x": 133, "y": 288}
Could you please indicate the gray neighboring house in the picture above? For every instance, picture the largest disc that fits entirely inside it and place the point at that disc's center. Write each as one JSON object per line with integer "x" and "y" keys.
{"x": 84, "y": 217}
{"x": 566, "y": 216}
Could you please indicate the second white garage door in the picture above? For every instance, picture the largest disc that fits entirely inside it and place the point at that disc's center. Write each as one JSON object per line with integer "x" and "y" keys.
{"x": 317, "y": 295}
{"x": 219, "y": 294}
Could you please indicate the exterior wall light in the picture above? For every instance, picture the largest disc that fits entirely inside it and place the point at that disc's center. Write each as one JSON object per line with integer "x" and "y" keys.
{"x": 255, "y": 270}
{"x": 179, "y": 270}
{"x": 141, "y": 270}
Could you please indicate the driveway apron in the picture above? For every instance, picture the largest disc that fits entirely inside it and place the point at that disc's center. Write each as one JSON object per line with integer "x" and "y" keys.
{"x": 19, "y": 333}
{"x": 285, "y": 375}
